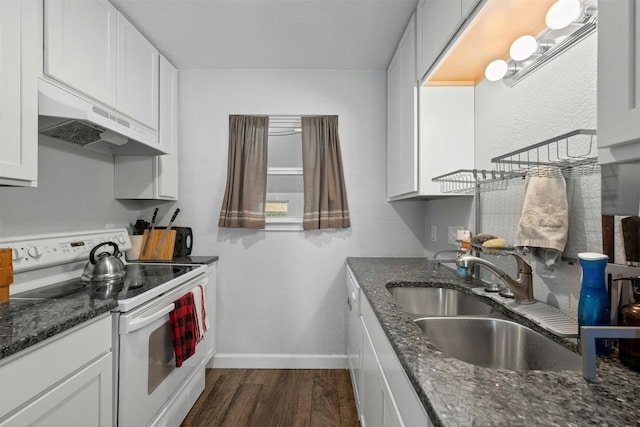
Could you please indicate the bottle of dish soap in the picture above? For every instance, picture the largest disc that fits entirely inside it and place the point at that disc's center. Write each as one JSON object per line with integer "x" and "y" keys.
{"x": 630, "y": 316}
{"x": 594, "y": 305}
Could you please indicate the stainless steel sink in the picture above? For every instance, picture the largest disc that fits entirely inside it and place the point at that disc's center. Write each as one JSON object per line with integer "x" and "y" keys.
{"x": 424, "y": 301}
{"x": 498, "y": 344}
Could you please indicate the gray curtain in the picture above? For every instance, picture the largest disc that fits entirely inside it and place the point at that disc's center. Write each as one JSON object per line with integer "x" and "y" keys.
{"x": 325, "y": 196}
{"x": 245, "y": 193}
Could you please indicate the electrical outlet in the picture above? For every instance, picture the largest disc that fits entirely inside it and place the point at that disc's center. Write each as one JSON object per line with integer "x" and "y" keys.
{"x": 434, "y": 233}
{"x": 451, "y": 233}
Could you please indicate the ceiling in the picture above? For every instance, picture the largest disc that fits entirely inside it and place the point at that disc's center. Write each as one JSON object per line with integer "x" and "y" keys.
{"x": 290, "y": 34}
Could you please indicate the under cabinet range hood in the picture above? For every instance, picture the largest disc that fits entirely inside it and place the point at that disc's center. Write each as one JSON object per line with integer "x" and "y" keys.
{"x": 68, "y": 117}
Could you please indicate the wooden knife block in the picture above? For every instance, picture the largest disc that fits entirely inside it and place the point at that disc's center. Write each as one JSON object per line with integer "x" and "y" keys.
{"x": 6, "y": 273}
{"x": 166, "y": 251}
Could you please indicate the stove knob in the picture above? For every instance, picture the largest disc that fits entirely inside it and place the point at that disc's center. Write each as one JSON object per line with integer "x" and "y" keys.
{"x": 18, "y": 254}
{"x": 121, "y": 239}
{"x": 33, "y": 252}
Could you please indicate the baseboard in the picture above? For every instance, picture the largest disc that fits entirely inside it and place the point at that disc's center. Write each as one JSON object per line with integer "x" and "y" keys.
{"x": 279, "y": 361}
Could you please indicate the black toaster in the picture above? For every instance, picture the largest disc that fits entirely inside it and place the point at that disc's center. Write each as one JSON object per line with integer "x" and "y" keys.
{"x": 184, "y": 241}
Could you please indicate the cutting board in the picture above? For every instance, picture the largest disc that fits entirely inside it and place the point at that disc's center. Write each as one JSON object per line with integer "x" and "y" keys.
{"x": 166, "y": 251}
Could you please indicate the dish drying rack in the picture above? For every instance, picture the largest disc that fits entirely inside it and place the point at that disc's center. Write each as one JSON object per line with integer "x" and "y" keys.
{"x": 571, "y": 154}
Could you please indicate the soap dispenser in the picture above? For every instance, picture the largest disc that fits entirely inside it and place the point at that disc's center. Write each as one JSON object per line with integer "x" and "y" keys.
{"x": 594, "y": 305}
{"x": 629, "y": 350}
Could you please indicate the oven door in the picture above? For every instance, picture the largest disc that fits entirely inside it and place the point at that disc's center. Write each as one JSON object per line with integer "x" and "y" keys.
{"x": 148, "y": 377}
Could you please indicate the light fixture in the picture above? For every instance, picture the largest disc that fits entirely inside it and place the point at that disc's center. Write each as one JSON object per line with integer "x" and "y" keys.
{"x": 523, "y": 48}
{"x": 496, "y": 70}
{"x": 568, "y": 22}
{"x": 562, "y": 13}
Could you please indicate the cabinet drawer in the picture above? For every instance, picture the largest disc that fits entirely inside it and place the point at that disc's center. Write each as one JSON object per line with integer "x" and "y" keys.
{"x": 31, "y": 372}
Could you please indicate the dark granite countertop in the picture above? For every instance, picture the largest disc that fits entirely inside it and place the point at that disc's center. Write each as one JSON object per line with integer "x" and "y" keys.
{"x": 26, "y": 322}
{"x": 455, "y": 393}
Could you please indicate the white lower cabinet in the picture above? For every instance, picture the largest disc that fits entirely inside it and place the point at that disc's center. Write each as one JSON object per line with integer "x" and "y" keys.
{"x": 354, "y": 335}
{"x": 65, "y": 382}
{"x": 378, "y": 405}
{"x": 386, "y": 396}
{"x": 210, "y": 304}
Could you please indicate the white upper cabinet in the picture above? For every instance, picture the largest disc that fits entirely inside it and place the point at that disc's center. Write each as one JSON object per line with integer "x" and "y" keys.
{"x": 618, "y": 79}
{"x": 155, "y": 178}
{"x": 402, "y": 173}
{"x": 92, "y": 48}
{"x": 138, "y": 62}
{"x": 446, "y": 136}
{"x": 437, "y": 23}
{"x": 20, "y": 65}
{"x": 81, "y": 46}
{"x": 167, "y": 168}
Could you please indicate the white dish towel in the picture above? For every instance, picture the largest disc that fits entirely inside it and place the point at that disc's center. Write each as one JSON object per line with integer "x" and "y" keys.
{"x": 544, "y": 221}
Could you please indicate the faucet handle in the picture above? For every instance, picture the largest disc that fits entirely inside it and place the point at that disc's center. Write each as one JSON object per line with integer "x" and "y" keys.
{"x": 523, "y": 266}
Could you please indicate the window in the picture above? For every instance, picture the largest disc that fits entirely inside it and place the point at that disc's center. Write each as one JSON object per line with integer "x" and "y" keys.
{"x": 296, "y": 181}
{"x": 285, "y": 191}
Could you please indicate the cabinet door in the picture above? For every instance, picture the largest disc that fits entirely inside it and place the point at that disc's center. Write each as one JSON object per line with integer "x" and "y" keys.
{"x": 437, "y": 22}
{"x": 354, "y": 336}
{"x": 371, "y": 400}
{"x": 394, "y": 122}
{"x": 85, "y": 399}
{"x": 20, "y": 60}
{"x": 80, "y": 46}
{"x": 618, "y": 72}
{"x": 447, "y": 118}
{"x": 210, "y": 340}
{"x": 390, "y": 414}
{"x": 402, "y": 172}
{"x": 137, "y": 73}
{"x": 167, "y": 165}
{"x": 467, "y": 7}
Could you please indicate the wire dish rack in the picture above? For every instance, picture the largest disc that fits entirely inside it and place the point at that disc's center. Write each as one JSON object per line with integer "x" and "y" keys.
{"x": 571, "y": 154}
{"x": 468, "y": 181}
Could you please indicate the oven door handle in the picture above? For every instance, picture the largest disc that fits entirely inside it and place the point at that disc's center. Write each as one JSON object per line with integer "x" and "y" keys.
{"x": 141, "y": 322}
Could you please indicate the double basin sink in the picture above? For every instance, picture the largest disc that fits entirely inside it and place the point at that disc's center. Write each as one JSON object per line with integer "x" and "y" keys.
{"x": 467, "y": 329}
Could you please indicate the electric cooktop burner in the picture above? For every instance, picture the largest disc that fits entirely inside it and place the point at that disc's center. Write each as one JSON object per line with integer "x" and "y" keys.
{"x": 139, "y": 279}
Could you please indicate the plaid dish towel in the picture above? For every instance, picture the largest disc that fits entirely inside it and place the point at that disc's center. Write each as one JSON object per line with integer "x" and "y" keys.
{"x": 185, "y": 330}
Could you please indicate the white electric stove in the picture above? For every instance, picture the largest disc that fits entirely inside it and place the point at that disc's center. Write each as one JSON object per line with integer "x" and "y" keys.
{"x": 149, "y": 388}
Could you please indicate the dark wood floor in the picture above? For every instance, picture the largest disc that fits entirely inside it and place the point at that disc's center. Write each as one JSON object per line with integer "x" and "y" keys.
{"x": 275, "y": 397}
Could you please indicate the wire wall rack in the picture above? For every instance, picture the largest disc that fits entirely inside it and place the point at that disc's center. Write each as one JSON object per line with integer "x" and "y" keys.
{"x": 571, "y": 154}
{"x": 469, "y": 181}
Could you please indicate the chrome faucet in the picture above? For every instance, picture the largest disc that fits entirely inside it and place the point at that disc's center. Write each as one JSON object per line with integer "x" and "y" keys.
{"x": 446, "y": 251}
{"x": 521, "y": 286}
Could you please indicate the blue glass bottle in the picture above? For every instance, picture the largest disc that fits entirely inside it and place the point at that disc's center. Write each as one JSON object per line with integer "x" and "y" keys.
{"x": 594, "y": 305}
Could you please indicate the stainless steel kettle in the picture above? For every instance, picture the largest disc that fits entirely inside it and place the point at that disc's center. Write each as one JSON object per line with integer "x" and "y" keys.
{"x": 105, "y": 266}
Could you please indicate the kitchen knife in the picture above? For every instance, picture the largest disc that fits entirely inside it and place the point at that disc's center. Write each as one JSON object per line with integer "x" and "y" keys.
{"x": 164, "y": 235}
{"x": 153, "y": 224}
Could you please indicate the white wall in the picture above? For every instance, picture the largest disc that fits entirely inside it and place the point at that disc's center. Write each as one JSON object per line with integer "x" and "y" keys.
{"x": 558, "y": 98}
{"x": 75, "y": 192}
{"x": 281, "y": 294}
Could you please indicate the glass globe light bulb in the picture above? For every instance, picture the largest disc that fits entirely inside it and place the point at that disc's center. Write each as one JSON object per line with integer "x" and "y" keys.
{"x": 523, "y": 48}
{"x": 496, "y": 70}
{"x": 562, "y": 13}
